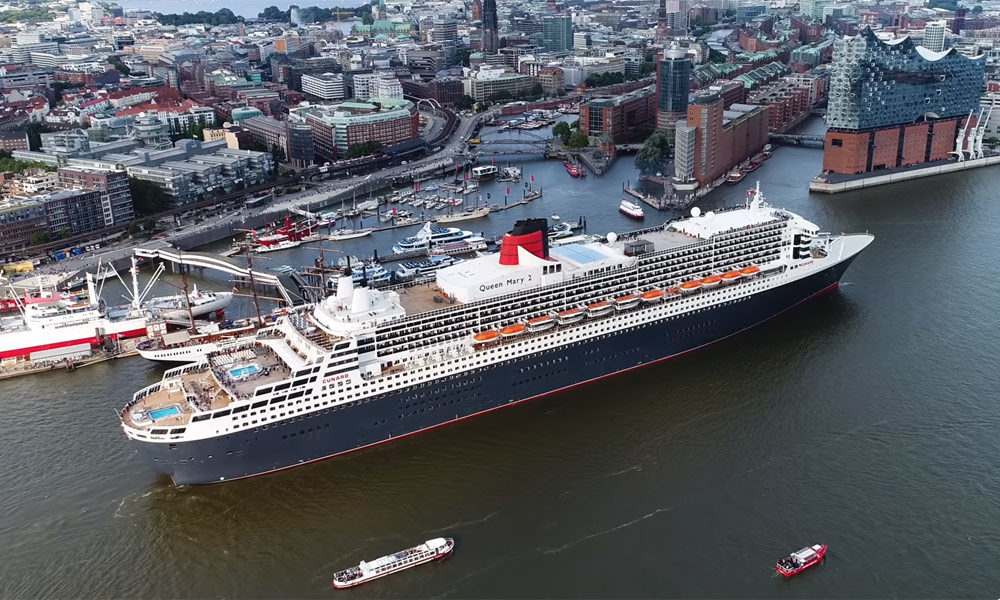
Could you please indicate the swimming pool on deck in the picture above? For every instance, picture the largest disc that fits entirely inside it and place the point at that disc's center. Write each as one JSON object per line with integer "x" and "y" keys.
{"x": 244, "y": 371}
{"x": 165, "y": 412}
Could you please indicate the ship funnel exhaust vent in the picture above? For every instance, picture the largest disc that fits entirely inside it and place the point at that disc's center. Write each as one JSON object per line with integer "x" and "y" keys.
{"x": 530, "y": 234}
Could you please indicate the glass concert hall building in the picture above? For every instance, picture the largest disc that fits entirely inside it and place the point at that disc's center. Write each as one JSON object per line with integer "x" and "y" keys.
{"x": 893, "y": 103}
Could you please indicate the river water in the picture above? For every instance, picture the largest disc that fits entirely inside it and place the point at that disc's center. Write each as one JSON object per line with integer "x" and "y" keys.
{"x": 865, "y": 420}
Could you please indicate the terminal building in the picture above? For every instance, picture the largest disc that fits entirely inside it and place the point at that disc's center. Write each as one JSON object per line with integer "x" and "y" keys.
{"x": 895, "y": 104}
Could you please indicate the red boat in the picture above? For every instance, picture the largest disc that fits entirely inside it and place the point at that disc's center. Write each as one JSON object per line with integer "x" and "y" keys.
{"x": 796, "y": 562}
{"x": 573, "y": 170}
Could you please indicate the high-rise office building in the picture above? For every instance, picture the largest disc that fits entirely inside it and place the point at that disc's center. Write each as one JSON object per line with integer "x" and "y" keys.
{"x": 934, "y": 33}
{"x": 557, "y": 33}
{"x": 444, "y": 32}
{"x": 673, "y": 86}
{"x": 491, "y": 35}
{"x": 895, "y": 105}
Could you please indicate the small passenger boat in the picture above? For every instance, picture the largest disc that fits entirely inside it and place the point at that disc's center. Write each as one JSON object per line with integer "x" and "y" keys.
{"x": 750, "y": 271}
{"x": 651, "y": 296}
{"x": 689, "y": 287}
{"x": 796, "y": 562}
{"x": 599, "y": 309}
{"x": 711, "y": 281}
{"x": 573, "y": 315}
{"x": 626, "y": 302}
{"x": 512, "y": 331}
{"x": 485, "y": 337}
{"x": 391, "y": 563}
{"x": 731, "y": 277}
{"x": 541, "y": 323}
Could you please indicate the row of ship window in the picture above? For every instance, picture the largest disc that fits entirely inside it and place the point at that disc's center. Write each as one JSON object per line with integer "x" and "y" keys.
{"x": 297, "y": 394}
{"x": 602, "y": 329}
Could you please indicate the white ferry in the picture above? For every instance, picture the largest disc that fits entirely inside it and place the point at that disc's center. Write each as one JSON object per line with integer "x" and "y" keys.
{"x": 366, "y": 571}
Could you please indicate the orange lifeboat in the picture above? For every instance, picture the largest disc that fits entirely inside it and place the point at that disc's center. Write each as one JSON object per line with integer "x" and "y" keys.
{"x": 572, "y": 315}
{"x": 711, "y": 281}
{"x": 731, "y": 277}
{"x": 599, "y": 309}
{"x": 689, "y": 287}
{"x": 626, "y": 302}
{"x": 484, "y": 337}
{"x": 541, "y": 323}
{"x": 512, "y": 330}
{"x": 651, "y": 296}
{"x": 750, "y": 271}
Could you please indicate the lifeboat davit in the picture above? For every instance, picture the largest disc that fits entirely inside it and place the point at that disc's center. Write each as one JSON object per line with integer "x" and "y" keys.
{"x": 485, "y": 337}
{"x": 626, "y": 302}
{"x": 651, "y": 296}
{"x": 573, "y": 315}
{"x": 711, "y": 281}
{"x": 689, "y": 287}
{"x": 511, "y": 331}
{"x": 541, "y": 323}
{"x": 731, "y": 277}
{"x": 750, "y": 271}
{"x": 599, "y": 309}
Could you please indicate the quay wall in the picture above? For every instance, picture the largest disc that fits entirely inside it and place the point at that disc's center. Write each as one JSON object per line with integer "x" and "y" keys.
{"x": 819, "y": 185}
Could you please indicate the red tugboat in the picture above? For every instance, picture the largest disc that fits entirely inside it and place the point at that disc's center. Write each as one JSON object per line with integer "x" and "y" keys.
{"x": 796, "y": 562}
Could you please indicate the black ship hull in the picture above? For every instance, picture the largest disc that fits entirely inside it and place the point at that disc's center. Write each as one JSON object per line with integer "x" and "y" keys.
{"x": 383, "y": 418}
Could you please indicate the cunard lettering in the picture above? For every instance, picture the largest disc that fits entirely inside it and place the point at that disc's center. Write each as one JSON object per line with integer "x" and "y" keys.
{"x": 336, "y": 377}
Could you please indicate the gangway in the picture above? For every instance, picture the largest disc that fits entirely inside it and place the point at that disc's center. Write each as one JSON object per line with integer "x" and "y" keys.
{"x": 196, "y": 259}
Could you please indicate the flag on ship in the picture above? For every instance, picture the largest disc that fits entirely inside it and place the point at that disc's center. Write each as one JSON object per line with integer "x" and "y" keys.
{"x": 508, "y": 191}
{"x": 416, "y": 187}
{"x": 532, "y": 178}
{"x": 493, "y": 160}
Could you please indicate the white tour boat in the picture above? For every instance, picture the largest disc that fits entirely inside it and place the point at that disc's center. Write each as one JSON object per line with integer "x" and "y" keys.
{"x": 366, "y": 571}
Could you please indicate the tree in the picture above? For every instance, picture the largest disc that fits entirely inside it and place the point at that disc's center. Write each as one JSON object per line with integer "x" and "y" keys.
{"x": 119, "y": 65}
{"x": 977, "y": 9}
{"x": 148, "y": 198}
{"x": 465, "y": 102}
{"x": 650, "y": 157}
{"x": 562, "y": 130}
{"x": 35, "y": 131}
{"x": 578, "y": 139}
{"x": 38, "y": 238}
{"x": 501, "y": 96}
{"x": 59, "y": 86}
{"x": 222, "y": 16}
{"x": 278, "y": 153}
{"x": 363, "y": 149}
{"x": 462, "y": 57}
{"x": 197, "y": 131}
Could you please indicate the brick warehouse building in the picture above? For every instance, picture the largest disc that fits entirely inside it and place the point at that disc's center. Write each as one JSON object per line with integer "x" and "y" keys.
{"x": 631, "y": 116}
{"x": 894, "y": 104}
{"x": 714, "y": 140}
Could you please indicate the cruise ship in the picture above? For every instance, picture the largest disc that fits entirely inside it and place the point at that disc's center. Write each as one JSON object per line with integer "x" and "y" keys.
{"x": 366, "y": 366}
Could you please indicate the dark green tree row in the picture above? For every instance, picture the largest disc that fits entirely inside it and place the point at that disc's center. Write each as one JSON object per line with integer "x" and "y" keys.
{"x": 602, "y": 79}
{"x": 223, "y": 16}
{"x": 12, "y": 165}
{"x": 315, "y": 14}
{"x": 32, "y": 13}
{"x": 363, "y": 149}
